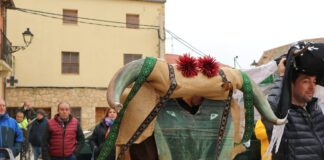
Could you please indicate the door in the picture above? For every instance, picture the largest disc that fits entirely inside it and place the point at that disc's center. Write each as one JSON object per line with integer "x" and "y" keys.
{"x": 100, "y": 113}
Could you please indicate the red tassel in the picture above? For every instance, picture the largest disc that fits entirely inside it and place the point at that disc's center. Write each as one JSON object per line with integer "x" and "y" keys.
{"x": 208, "y": 66}
{"x": 187, "y": 65}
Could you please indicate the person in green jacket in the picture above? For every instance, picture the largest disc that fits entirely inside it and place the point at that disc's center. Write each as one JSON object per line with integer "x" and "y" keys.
{"x": 21, "y": 120}
{"x": 22, "y": 124}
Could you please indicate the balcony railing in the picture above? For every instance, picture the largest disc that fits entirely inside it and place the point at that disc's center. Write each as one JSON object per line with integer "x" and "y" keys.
{"x": 6, "y": 49}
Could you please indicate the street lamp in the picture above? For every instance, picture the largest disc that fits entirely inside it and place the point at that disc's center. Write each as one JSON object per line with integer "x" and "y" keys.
{"x": 28, "y": 37}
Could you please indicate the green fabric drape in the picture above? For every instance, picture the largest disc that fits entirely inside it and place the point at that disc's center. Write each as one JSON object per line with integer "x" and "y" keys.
{"x": 109, "y": 144}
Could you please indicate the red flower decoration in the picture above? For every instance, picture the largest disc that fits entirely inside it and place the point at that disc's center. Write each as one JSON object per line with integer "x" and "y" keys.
{"x": 208, "y": 66}
{"x": 187, "y": 65}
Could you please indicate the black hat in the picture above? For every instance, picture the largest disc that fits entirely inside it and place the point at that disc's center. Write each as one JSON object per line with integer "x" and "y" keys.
{"x": 310, "y": 60}
{"x": 41, "y": 111}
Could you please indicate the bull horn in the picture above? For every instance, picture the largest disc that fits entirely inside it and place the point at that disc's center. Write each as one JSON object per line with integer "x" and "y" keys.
{"x": 298, "y": 52}
{"x": 123, "y": 78}
{"x": 264, "y": 107}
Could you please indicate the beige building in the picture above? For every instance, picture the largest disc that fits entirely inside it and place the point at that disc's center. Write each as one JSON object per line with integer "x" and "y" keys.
{"x": 77, "y": 47}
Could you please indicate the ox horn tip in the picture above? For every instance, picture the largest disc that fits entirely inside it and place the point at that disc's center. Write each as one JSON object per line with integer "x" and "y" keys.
{"x": 281, "y": 121}
{"x": 118, "y": 106}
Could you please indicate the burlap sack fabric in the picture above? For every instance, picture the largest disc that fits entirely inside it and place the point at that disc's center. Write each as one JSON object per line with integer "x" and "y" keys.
{"x": 147, "y": 97}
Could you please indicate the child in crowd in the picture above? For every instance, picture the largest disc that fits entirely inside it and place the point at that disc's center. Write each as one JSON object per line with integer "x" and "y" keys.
{"x": 21, "y": 120}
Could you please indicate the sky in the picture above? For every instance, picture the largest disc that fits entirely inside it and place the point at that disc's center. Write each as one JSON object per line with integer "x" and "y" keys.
{"x": 244, "y": 28}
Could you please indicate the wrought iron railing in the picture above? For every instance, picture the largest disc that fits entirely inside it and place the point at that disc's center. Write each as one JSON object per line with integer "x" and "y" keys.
{"x": 6, "y": 49}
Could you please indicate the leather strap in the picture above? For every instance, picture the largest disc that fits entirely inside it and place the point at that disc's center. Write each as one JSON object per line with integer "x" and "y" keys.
{"x": 221, "y": 131}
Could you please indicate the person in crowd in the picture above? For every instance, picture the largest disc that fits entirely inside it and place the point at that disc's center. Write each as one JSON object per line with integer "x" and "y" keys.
{"x": 21, "y": 120}
{"x": 263, "y": 135}
{"x": 29, "y": 112}
{"x": 36, "y": 132}
{"x": 101, "y": 132}
{"x": 293, "y": 96}
{"x": 62, "y": 135}
{"x": 23, "y": 123}
{"x": 11, "y": 135}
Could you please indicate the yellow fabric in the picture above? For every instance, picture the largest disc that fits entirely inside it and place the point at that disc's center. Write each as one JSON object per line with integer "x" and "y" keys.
{"x": 261, "y": 134}
{"x": 23, "y": 124}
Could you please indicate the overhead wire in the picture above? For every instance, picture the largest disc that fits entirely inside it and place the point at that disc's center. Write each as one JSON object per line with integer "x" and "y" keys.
{"x": 185, "y": 43}
{"x": 86, "y": 20}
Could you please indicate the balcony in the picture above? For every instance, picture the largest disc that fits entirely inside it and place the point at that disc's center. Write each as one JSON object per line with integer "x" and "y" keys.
{"x": 6, "y": 56}
{"x": 6, "y": 50}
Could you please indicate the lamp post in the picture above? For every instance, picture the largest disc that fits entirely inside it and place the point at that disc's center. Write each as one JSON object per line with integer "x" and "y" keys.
{"x": 28, "y": 37}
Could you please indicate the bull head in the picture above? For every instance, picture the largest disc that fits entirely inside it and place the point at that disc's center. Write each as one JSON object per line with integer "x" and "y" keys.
{"x": 200, "y": 85}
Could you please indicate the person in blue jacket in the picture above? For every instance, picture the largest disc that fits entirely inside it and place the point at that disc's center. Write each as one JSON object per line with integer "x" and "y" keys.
{"x": 11, "y": 135}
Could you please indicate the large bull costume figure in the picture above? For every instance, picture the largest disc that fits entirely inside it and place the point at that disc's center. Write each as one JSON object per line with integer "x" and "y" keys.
{"x": 156, "y": 81}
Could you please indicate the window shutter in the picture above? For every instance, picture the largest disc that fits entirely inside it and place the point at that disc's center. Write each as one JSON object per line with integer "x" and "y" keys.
{"x": 132, "y": 20}
{"x": 70, "y": 62}
{"x": 70, "y": 16}
{"x": 131, "y": 57}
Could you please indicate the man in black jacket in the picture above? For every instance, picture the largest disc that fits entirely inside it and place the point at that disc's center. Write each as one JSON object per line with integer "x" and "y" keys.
{"x": 303, "y": 137}
{"x": 36, "y": 132}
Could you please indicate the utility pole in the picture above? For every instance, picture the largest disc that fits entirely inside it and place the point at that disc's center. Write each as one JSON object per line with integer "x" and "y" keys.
{"x": 235, "y": 59}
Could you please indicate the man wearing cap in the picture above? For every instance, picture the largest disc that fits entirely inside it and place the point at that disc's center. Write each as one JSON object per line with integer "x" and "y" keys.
{"x": 37, "y": 131}
{"x": 292, "y": 96}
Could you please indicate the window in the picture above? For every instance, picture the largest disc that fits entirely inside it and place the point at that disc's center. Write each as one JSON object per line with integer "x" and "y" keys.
{"x": 76, "y": 112}
{"x": 70, "y": 16}
{"x": 131, "y": 57}
{"x": 132, "y": 20}
{"x": 70, "y": 62}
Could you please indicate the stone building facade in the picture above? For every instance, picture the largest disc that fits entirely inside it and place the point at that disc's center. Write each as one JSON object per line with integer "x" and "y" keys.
{"x": 84, "y": 101}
